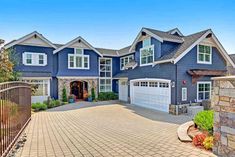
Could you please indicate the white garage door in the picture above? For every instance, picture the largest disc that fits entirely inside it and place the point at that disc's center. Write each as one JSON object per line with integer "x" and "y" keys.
{"x": 123, "y": 90}
{"x": 151, "y": 93}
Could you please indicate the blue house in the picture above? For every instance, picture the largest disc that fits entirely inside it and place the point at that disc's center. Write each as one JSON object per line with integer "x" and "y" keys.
{"x": 160, "y": 70}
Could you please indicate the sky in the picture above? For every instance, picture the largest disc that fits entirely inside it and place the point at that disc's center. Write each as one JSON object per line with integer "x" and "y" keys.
{"x": 115, "y": 23}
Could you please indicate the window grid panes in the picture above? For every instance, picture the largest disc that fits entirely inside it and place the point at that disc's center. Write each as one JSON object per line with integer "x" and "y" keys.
{"x": 146, "y": 42}
{"x": 204, "y": 54}
{"x": 40, "y": 87}
{"x": 41, "y": 59}
{"x": 78, "y": 60}
{"x": 147, "y": 55}
{"x": 29, "y": 58}
{"x": 105, "y": 74}
{"x": 126, "y": 60}
{"x": 204, "y": 90}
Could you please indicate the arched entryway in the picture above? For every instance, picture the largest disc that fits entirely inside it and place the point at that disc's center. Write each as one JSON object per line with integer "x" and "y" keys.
{"x": 79, "y": 89}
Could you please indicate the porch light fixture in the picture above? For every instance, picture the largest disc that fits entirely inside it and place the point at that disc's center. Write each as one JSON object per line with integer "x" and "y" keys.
{"x": 173, "y": 84}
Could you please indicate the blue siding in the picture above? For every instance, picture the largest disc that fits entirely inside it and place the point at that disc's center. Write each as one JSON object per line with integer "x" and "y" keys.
{"x": 157, "y": 48}
{"x": 115, "y": 65}
{"x": 189, "y": 61}
{"x": 167, "y": 47}
{"x": 63, "y": 64}
{"x": 20, "y": 49}
{"x": 54, "y": 88}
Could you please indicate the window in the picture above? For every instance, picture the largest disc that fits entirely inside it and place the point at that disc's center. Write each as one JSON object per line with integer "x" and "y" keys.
{"x": 184, "y": 94}
{"x": 29, "y": 58}
{"x": 78, "y": 60}
{"x": 41, "y": 87}
{"x": 136, "y": 83}
{"x": 163, "y": 85}
{"x": 146, "y": 54}
{"x": 147, "y": 42}
{"x": 125, "y": 60}
{"x": 41, "y": 59}
{"x": 153, "y": 84}
{"x": 34, "y": 59}
{"x": 144, "y": 84}
{"x": 105, "y": 81}
{"x": 204, "y": 54}
{"x": 203, "y": 91}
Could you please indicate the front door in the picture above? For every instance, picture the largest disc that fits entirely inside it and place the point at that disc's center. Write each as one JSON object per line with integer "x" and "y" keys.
{"x": 77, "y": 89}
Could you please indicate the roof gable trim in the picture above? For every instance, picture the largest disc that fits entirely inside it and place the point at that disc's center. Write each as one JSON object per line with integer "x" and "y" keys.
{"x": 28, "y": 37}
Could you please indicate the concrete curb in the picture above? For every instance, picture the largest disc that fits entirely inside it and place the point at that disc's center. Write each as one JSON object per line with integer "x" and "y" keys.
{"x": 182, "y": 132}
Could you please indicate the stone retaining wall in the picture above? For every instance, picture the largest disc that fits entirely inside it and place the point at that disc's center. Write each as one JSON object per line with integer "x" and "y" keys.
{"x": 223, "y": 101}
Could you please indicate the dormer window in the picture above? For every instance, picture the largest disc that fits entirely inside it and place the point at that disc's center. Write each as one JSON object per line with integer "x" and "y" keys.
{"x": 78, "y": 60}
{"x": 146, "y": 52}
{"x": 204, "y": 54}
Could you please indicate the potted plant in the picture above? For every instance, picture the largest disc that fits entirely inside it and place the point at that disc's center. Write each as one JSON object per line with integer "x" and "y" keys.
{"x": 71, "y": 99}
{"x": 89, "y": 98}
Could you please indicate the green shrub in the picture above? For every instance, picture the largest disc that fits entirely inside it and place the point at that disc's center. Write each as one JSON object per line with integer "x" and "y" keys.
{"x": 93, "y": 93}
{"x": 103, "y": 96}
{"x": 204, "y": 120}
{"x": 52, "y": 103}
{"x": 64, "y": 95}
{"x": 39, "y": 106}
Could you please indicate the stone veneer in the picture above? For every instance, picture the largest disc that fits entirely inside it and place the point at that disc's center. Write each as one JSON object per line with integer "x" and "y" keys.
{"x": 65, "y": 82}
{"x": 223, "y": 102}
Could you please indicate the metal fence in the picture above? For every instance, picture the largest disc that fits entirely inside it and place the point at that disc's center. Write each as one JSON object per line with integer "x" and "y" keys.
{"x": 15, "y": 112}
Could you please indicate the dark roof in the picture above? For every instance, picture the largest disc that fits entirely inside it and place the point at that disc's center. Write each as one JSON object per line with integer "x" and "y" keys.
{"x": 188, "y": 41}
{"x": 232, "y": 56}
{"x": 1, "y": 41}
{"x": 165, "y": 35}
{"x": 121, "y": 74}
{"x": 107, "y": 52}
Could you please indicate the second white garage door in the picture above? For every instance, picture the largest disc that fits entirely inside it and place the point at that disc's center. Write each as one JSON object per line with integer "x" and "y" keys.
{"x": 151, "y": 93}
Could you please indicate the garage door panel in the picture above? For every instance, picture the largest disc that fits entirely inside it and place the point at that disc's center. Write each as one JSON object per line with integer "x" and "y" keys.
{"x": 151, "y": 96}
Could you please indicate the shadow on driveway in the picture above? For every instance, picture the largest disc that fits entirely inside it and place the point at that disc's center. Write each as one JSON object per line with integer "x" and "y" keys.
{"x": 151, "y": 114}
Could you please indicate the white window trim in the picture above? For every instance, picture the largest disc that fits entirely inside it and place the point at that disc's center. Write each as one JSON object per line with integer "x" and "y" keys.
{"x": 204, "y": 62}
{"x": 203, "y": 82}
{"x": 151, "y": 46}
{"x": 184, "y": 97}
{"x": 44, "y": 80}
{"x": 74, "y": 60}
{"x": 35, "y": 59}
{"x": 111, "y": 74}
{"x": 128, "y": 56}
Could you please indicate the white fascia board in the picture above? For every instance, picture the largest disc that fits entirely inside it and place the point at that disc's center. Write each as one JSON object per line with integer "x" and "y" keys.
{"x": 191, "y": 47}
{"x": 77, "y": 77}
{"x": 163, "y": 61}
{"x": 139, "y": 35}
{"x": 75, "y": 40}
{"x": 27, "y": 37}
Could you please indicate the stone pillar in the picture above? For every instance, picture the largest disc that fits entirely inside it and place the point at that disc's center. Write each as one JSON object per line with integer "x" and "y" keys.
{"x": 223, "y": 101}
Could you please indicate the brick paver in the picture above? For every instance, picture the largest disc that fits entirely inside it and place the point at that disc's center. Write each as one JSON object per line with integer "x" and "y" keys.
{"x": 104, "y": 130}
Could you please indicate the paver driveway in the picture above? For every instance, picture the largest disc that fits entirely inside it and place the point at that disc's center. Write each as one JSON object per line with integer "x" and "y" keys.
{"x": 85, "y": 129}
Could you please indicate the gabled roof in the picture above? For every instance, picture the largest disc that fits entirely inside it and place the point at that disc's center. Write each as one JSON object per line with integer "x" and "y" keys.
{"x": 33, "y": 34}
{"x": 232, "y": 56}
{"x": 175, "y": 30}
{"x": 124, "y": 51}
{"x": 108, "y": 52}
{"x": 159, "y": 35}
{"x": 191, "y": 41}
{"x": 78, "y": 39}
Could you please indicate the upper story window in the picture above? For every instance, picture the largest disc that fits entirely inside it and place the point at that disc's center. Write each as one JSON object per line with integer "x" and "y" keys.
{"x": 105, "y": 80}
{"x": 146, "y": 52}
{"x": 147, "y": 42}
{"x": 204, "y": 54}
{"x": 125, "y": 60}
{"x": 34, "y": 59}
{"x": 78, "y": 60}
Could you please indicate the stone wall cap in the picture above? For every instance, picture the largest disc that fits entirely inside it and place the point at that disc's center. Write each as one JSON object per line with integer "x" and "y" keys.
{"x": 224, "y": 78}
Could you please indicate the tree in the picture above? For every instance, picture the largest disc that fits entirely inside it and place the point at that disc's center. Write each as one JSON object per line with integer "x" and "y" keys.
{"x": 64, "y": 95}
{"x": 8, "y": 59}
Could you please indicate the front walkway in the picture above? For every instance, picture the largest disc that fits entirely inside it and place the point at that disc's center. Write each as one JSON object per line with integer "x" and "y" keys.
{"x": 85, "y": 129}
